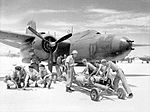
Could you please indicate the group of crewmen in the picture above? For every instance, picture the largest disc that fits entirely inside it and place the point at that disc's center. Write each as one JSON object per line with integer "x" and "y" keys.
{"x": 21, "y": 78}
{"x": 99, "y": 72}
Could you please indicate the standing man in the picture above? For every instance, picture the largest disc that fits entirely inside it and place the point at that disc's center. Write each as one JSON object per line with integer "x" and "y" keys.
{"x": 119, "y": 76}
{"x": 69, "y": 62}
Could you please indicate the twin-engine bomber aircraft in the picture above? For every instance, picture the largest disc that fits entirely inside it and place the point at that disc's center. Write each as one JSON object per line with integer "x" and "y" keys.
{"x": 44, "y": 47}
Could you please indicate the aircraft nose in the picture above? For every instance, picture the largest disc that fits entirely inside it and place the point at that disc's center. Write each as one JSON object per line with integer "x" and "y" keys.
{"x": 125, "y": 44}
{"x": 121, "y": 44}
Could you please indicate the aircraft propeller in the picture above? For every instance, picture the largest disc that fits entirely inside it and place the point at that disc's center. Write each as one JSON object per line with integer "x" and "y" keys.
{"x": 131, "y": 44}
{"x": 52, "y": 44}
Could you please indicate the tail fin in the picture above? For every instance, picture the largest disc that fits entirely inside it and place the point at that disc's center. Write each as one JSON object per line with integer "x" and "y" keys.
{"x": 31, "y": 24}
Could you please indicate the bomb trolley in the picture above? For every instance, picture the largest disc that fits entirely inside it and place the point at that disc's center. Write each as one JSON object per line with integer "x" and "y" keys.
{"x": 97, "y": 90}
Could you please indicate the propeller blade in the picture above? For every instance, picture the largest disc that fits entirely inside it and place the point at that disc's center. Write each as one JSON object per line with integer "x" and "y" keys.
{"x": 50, "y": 61}
{"x": 64, "y": 38}
{"x": 35, "y": 32}
{"x": 140, "y": 45}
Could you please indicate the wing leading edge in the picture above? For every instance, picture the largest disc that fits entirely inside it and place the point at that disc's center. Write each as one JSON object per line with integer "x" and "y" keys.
{"x": 14, "y": 39}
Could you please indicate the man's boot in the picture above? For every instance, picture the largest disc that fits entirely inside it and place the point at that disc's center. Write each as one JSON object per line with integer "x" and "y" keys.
{"x": 8, "y": 87}
{"x": 68, "y": 89}
{"x": 130, "y": 95}
{"x": 49, "y": 84}
{"x": 45, "y": 85}
{"x": 36, "y": 85}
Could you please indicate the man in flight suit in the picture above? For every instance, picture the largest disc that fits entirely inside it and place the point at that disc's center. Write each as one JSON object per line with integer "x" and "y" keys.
{"x": 119, "y": 76}
{"x": 69, "y": 62}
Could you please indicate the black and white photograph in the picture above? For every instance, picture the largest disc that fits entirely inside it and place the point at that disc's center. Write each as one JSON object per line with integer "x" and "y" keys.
{"x": 74, "y": 55}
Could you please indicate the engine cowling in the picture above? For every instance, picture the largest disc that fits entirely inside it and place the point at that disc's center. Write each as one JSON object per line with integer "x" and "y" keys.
{"x": 46, "y": 45}
{"x": 42, "y": 47}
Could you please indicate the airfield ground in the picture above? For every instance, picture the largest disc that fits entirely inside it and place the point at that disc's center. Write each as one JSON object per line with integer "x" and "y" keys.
{"x": 57, "y": 100}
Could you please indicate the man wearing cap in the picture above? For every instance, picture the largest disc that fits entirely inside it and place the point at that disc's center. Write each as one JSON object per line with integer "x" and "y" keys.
{"x": 69, "y": 62}
{"x": 45, "y": 77}
{"x": 16, "y": 78}
{"x": 32, "y": 75}
{"x": 119, "y": 76}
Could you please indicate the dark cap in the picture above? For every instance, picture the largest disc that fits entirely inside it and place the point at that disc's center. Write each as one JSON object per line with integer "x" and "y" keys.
{"x": 41, "y": 65}
{"x": 30, "y": 66}
{"x": 18, "y": 68}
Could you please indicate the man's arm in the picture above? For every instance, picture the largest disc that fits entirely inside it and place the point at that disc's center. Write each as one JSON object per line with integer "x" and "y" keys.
{"x": 106, "y": 71}
{"x": 26, "y": 81}
{"x": 12, "y": 79}
{"x": 94, "y": 71}
{"x": 85, "y": 70}
{"x": 48, "y": 74}
{"x": 14, "y": 82}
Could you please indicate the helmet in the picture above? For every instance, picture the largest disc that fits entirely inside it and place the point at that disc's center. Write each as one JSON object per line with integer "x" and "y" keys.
{"x": 74, "y": 52}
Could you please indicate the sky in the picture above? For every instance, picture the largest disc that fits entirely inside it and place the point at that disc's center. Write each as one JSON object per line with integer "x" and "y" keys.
{"x": 121, "y": 17}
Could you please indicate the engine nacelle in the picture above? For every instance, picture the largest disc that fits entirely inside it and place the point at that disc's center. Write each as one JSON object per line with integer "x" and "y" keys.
{"x": 42, "y": 47}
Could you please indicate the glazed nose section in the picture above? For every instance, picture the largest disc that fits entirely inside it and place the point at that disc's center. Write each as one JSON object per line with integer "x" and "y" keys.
{"x": 126, "y": 44}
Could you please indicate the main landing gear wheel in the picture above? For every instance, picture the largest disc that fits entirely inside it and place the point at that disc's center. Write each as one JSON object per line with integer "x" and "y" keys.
{"x": 121, "y": 93}
{"x": 95, "y": 94}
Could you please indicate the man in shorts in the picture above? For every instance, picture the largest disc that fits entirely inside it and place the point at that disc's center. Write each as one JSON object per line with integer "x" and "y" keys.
{"x": 45, "y": 77}
{"x": 119, "y": 76}
{"x": 32, "y": 76}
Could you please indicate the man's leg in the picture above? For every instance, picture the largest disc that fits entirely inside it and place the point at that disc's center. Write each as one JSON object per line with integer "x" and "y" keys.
{"x": 36, "y": 84}
{"x": 9, "y": 84}
{"x": 49, "y": 81}
{"x": 116, "y": 82}
{"x": 58, "y": 71}
{"x": 26, "y": 82}
{"x": 69, "y": 80}
{"x": 124, "y": 83}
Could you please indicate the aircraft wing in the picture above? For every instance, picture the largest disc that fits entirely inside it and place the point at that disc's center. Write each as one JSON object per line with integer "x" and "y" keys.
{"x": 14, "y": 39}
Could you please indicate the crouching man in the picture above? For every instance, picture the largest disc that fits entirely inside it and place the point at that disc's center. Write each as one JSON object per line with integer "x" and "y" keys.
{"x": 45, "y": 77}
{"x": 16, "y": 79}
{"x": 31, "y": 77}
{"x": 119, "y": 76}
{"x": 89, "y": 67}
